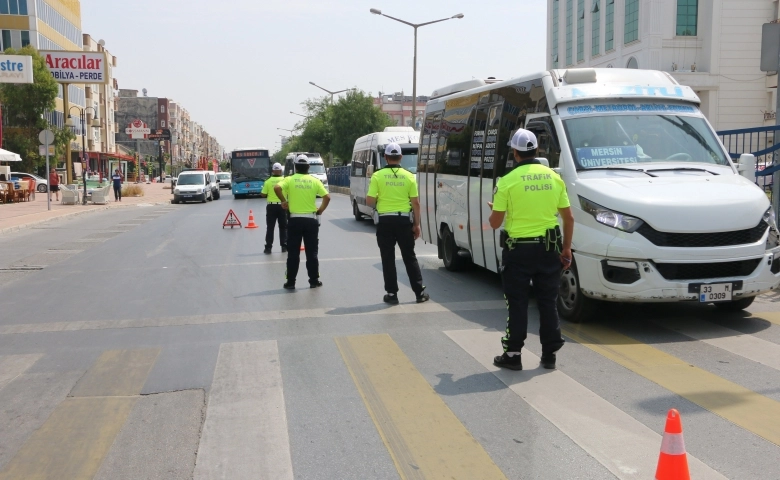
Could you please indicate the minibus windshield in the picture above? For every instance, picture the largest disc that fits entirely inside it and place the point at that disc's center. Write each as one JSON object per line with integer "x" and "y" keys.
{"x": 604, "y": 141}
{"x": 316, "y": 168}
{"x": 408, "y": 161}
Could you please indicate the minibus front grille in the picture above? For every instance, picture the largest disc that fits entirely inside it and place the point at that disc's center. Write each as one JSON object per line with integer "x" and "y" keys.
{"x": 698, "y": 240}
{"x": 704, "y": 271}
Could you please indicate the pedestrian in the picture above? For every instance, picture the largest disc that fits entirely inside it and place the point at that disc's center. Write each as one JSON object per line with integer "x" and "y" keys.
{"x": 298, "y": 194}
{"x": 274, "y": 213}
{"x": 54, "y": 184}
{"x": 393, "y": 191}
{"x": 528, "y": 198}
{"x": 117, "y": 179}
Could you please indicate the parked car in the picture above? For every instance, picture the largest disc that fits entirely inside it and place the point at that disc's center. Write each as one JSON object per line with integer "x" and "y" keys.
{"x": 225, "y": 180}
{"x": 212, "y": 179}
{"x": 41, "y": 184}
{"x": 192, "y": 186}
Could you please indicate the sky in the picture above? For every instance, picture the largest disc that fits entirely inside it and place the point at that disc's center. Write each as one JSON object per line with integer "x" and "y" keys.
{"x": 241, "y": 66}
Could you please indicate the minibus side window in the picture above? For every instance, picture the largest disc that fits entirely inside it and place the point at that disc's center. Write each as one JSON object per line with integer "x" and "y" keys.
{"x": 478, "y": 141}
{"x": 358, "y": 168}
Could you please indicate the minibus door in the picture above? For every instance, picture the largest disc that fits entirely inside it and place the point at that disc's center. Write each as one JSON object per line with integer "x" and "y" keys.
{"x": 489, "y": 157}
{"x": 476, "y": 220}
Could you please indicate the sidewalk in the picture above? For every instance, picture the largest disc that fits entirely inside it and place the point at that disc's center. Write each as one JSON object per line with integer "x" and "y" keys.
{"x": 15, "y": 216}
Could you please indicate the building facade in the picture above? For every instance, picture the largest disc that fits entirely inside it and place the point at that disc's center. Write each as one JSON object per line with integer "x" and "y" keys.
{"x": 713, "y": 46}
{"x": 399, "y": 107}
{"x": 46, "y": 25}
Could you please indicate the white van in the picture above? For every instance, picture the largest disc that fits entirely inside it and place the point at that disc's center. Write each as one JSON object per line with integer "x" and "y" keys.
{"x": 316, "y": 166}
{"x": 662, "y": 214}
{"x": 368, "y": 155}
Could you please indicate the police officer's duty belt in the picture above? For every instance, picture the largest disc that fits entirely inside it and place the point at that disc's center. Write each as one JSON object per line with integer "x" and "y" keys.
{"x": 394, "y": 214}
{"x": 303, "y": 215}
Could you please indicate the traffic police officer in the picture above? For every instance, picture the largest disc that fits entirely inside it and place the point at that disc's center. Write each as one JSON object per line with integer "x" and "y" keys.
{"x": 528, "y": 198}
{"x": 298, "y": 194}
{"x": 273, "y": 211}
{"x": 392, "y": 189}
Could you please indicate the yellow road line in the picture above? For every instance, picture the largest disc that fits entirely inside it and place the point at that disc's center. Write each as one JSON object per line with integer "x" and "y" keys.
{"x": 76, "y": 437}
{"x": 72, "y": 442}
{"x": 773, "y": 317}
{"x": 424, "y": 438}
{"x": 739, "y": 405}
{"x": 117, "y": 373}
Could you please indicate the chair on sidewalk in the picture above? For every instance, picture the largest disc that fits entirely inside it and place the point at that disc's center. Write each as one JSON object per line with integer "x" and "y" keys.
{"x": 69, "y": 196}
{"x": 100, "y": 195}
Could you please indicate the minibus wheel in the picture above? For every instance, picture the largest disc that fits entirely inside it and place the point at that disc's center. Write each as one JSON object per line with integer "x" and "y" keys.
{"x": 572, "y": 304}
{"x": 356, "y": 211}
{"x": 452, "y": 261}
{"x": 735, "y": 305}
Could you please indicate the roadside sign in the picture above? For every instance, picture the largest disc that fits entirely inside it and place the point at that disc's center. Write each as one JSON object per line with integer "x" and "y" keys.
{"x": 16, "y": 69}
{"x": 770, "y": 47}
{"x": 42, "y": 150}
{"x": 159, "y": 134}
{"x": 137, "y": 130}
{"x": 231, "y": 220}
{"x": 46, "y": 137}
{"x": 76, "y": 66}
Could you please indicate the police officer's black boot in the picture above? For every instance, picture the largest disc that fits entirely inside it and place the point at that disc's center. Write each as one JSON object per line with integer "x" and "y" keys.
{"x": 391, "y": 298}
{"x": 267, "y": 250}
{"x": 548, "y": 361}
{"x": 505, "y": 361}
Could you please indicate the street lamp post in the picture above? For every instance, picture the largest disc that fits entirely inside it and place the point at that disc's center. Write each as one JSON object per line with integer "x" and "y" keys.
{"x": 95, "y": 123}
{"x": 331, "y": 93}
{"x": 300, "y": 115}
{"x": 376, "y": 11}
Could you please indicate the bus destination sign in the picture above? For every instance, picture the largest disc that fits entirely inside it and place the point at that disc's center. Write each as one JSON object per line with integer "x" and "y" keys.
{"x": 250, "y": 154}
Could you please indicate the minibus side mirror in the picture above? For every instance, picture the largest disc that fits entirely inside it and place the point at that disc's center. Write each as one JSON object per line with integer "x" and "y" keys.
{"x": 369, "y": 170}
{"x": 747, "y": 166}
{"x": 543, "y": 161}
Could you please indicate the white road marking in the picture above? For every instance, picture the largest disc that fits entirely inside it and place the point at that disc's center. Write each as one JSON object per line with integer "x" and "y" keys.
{"x": 744, "y": 345}
{"x": 625, "y": 446}
{"x": 11, "y": 366}
{"x": 403, "y": 309}
{"x": 245, "y": 432}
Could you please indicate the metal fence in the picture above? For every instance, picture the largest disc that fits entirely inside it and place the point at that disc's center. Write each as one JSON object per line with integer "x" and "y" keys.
{"x": 760, "y": 141}
{"x": 339, "y": 176}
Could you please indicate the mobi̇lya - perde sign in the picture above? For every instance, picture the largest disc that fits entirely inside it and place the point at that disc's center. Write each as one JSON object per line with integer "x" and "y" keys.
{"x": 76, "y": 67}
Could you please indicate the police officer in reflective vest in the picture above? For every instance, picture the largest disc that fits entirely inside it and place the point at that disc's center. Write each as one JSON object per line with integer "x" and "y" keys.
{"x": 274, "y": 213}
{"x": 298, "y": 194}
{"x": 527, "y": 200}
{"x": 392, "y": 189}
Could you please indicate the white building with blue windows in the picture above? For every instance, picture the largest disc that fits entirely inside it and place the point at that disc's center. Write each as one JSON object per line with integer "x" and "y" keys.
{"x": 713, "y": 46}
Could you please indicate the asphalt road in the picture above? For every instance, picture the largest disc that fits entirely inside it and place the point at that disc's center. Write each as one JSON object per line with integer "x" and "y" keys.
{"x": 149, "y": 342}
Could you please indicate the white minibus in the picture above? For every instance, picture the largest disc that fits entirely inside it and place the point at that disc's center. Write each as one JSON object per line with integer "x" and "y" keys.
{"x": 662, "y": 214}
{"x": 368, "y": 155}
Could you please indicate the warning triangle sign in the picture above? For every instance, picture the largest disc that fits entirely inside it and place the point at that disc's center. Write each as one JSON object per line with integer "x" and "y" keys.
{"x": 251, "y": 161}
{"x": 231, "y": 220}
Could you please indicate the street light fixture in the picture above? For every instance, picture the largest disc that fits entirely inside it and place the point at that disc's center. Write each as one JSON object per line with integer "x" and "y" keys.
{"x": 286, "y": 130}
{"x": 331, "y": 93}
{"x": 300, "y": 115}
{"x": 95, "y": 123}
{"x": 376, "y": 11}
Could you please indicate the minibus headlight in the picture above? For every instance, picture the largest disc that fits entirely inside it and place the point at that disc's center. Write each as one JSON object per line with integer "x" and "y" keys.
{"x": 770, "y": 219}
{"x": 610, "y": 218}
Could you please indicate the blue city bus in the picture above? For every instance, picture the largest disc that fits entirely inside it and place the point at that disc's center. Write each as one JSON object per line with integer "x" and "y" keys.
{"x": 250, "y": 168}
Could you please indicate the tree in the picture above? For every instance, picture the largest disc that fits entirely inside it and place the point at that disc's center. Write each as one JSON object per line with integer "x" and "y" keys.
{"x": 25, "y": 105}
{"x": 353, "y": 116}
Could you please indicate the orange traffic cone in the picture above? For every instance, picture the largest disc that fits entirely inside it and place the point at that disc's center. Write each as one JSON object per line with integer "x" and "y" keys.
{"x": 251, "y": 223}
{"x": 303, "y": 248}
{"x": 673, "y": 461}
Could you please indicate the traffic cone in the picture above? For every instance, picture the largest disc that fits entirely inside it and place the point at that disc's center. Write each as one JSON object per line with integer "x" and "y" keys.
{"x": 673, "y": 461}
{"x": 251, "y": 223}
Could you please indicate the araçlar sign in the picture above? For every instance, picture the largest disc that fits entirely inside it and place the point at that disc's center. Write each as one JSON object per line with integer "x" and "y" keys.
{"x": 76, "y": 67}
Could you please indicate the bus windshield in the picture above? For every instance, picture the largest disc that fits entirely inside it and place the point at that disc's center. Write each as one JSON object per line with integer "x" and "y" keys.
{"x": 604, "y": 141}
{"x": 250, "y": 169}
{"x": 408, "y": 161}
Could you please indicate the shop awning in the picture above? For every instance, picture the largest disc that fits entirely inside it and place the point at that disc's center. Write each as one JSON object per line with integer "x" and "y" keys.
{"x": 6, "y": 156}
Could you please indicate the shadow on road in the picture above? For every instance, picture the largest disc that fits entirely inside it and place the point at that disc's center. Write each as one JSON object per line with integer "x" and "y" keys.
{"x": 351, "y": 225}
{"x": 359, "y": 309}
{"x": 485, "y": 381}
{"x": 266, "y": 293}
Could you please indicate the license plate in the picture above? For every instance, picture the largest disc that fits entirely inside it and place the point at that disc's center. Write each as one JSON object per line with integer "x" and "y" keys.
{"x": 715, "y": 292}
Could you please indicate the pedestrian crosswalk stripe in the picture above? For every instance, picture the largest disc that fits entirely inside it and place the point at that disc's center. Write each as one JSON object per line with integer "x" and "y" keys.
{"x": 117, "y": 373}
{"x": 245, "y": 433}
{"x": 237, "y": 317}
{"x": 78, "y": 434}
{"x": 424, "y": 437}
{"x": 11, "y": 366}
{"x": 739, "y": 405}
{"x": 615, "y": 439}
{"x": 747, "y": 346}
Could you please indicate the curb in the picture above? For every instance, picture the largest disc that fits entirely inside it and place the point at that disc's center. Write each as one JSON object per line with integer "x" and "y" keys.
{"x": 93, "y": 209}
